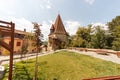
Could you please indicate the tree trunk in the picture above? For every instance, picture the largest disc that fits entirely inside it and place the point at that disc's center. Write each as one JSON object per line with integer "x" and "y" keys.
{"x": 36, "y": 67}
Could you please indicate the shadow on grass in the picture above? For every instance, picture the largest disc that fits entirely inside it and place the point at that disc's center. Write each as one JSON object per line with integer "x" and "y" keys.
{"x": 42, "y": 63}
{"x": 21, "y": 74}
{"x": 23, "y": 62}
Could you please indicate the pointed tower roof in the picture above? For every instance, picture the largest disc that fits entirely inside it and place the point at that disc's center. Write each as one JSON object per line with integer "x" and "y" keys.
{"x": 52, "y": 27}
{"x": 58, "y": 25}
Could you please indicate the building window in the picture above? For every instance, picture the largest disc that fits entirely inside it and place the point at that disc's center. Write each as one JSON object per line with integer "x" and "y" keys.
{"x": 18, "y": 43}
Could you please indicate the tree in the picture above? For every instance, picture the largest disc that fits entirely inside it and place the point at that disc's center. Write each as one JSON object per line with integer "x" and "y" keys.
{"x": 98, "y": 38}
{"x": 89, "y": 30}
{"x": 83, "y": 33}
{"x": 116, "y": 41}
{"x": 114, "y": 23}
{"x": 83, "y": 36}
{"x": 77, "y": 42}
{"x": 29, "y": 38}
{"x": 38, "y": 37}
{"x": 112, "y": 40}
{"x": 72, "y": 41}
{"x": 24, "y": 48}
{"x": 108, "y": 41}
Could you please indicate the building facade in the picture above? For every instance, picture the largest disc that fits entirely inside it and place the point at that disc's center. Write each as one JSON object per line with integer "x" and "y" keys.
{"x": 58, "y": 36}
{"x": 19, "y": 41}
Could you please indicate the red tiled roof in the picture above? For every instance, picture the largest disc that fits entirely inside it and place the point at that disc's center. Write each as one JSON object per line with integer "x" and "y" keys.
{"x": 58, "y": 26}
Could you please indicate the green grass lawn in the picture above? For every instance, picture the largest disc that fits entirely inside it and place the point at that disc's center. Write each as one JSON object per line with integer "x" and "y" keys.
{"x": 65, "y": 65}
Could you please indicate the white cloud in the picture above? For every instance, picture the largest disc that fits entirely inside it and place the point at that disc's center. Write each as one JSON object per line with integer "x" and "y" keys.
{"x": 103, "y": 26}
{"x": 71, "y": 26}
{"x": 20, "y": 23}
{"x": 23, "y": 23}
{"x": 50, "y": 21}
{"x": 8, "y": 7}
{"x": 45, "y": 4}
{"x": 41, "y": 6}
{"x": 45, "y": 29}
{"x": 90, "y": 1}
{"x": 48, "y": 6}
{"x": 16, "y": 7}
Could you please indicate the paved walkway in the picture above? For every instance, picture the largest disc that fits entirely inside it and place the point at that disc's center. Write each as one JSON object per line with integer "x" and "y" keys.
{"x": 110, "y": 57}
{"x": 5, "y": 59}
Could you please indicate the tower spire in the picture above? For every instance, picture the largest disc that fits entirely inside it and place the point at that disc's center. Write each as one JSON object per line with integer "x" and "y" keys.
{"x": 59, "y": 27}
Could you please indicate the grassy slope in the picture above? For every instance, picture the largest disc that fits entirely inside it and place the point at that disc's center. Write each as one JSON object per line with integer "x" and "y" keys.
{"x": 66, "y": 65}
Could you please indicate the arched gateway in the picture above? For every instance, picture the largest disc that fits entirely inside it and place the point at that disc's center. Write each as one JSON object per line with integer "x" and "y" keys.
{"x": 7, "y": 28}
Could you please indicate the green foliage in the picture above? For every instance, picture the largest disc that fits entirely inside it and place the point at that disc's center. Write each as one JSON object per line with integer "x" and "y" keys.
{"x": 65, "y": 65}
{"x": 77, "y": 41}
{"x": 82, "y": 37}
{"x": 98, "y": 39}
{"x": 24, "y": 47}
{"x": 115, "y": 22}
{"x": 108, "y": 42}
{"x": 38, "y": 35}
{"x": 84, "y": 33}
{"x": 116, "y": 42}
{"x": 86, "y": 37}
{"x": 45, "y": 43}
{"x": 114, "y": 29}
{"x": 38, "y": 42}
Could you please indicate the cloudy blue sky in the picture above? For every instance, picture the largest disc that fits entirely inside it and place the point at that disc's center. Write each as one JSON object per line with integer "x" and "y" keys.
{"x": 74, "y": 13}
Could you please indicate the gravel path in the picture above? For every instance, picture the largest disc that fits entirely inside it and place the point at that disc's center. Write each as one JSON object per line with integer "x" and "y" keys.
{"x": 110, "y": 57}
{"x": 5, "y": 59}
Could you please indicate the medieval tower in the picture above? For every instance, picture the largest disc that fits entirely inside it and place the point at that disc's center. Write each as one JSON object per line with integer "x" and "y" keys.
{"x": 58, "y": 36}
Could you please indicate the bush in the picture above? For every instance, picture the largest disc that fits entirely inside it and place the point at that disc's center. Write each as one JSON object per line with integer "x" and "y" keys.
{"x": 6, "y": 52}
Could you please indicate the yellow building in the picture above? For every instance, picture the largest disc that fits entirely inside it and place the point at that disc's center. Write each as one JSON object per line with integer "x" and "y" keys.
{"x": 18, "y": 42}
{"x": 58, "y": 36}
